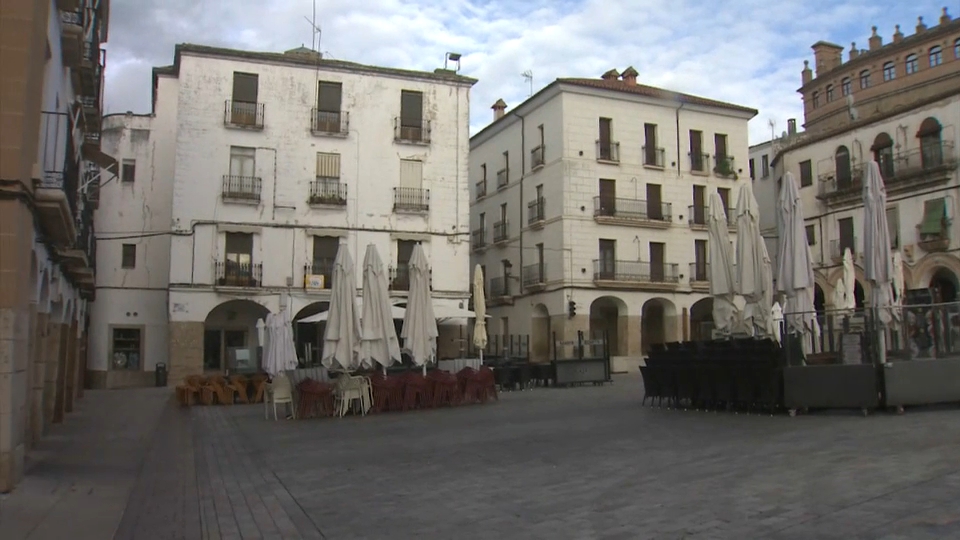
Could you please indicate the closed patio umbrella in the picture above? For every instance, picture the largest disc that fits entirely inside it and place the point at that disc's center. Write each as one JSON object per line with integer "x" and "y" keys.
{"x": 722, "y": 285}
{"x": 877, "y": 261}
{"x": 282, "y": 338}
{"x": 794, "y": 269}
{"x": 269, "y": 344}
{"x": 420, "y": 324}
{"x": 378, "y": 336}
{"x": 342, "y": 336}
{"x": 849, "y": 283}
{"x": 754, "y": 279}
{"x": 480, "y": 312}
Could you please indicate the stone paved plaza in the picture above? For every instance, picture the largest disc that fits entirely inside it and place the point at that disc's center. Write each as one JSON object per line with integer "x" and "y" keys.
{"x": 569, "y": 463}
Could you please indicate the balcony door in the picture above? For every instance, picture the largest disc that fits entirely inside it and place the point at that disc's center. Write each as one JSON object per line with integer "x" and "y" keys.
{"x": 606, "y": 138}
{"x": 411, "y": 115}
{"x": 324, "y": 253}
{"x": 608, "y": 197}
{"x": 401, "y": 278}
{"x": 725, "y": 198}
{"x": 657, "y": 261}
{"x": 700, "y": 260}
{"x": 238, "y": 267}
{"x": 650, "y": 145}
{"x": 245, "y": 93}
{"x": 699, "y": 205}
{"x": 654, "y": 202}
{"x": 329, "y": 99}
{"x": 844, "y": 172}
{"x": 607, "y": 264}
{"x": 847, "y": 240}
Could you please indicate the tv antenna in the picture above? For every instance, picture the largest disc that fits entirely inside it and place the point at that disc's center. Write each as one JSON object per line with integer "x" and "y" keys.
{"x": 772, "y": 124}
{"x": 528, "y": 75}
{"x": 315, "y": 38}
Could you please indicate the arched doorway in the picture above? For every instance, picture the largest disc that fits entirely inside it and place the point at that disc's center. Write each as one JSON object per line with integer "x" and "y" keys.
{"x": 309, "y": 336}
{"x": 858, "y": 294}
{"x": 701, "y": 319}
{"x": 844, "y": 170}
{"x": 606, "y": 313}
{"x": 230, "y": 338}
{"x": 540, "y": 334}
{"x": 657, "y": 323}
{"x": 944, "y": 286}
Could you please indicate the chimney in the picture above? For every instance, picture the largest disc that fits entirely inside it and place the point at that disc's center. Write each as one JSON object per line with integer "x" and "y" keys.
{"x": 791, "y": 127}
{"x": 826, "y": 56}
{"x": 875, "y": 40}
{"x": 945, "y": 18}
{"x": 806, "y": 75}
{"x": 854, "y": 51}
{"x": 629, "y": 76}
{"x": 920, "y": 26}
{"x": 897, "y": 35}
{"x": 611, "y": 75}
{"x": 499, "y": 109}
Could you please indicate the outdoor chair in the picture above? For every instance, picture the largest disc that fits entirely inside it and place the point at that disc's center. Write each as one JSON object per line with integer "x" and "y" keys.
{"x": 387, "y": 393}
{"x": 347, "y": 391}
{"x": 316, "y": 398}
{"x": 487, "y": 383}
{"x": 415, "y": 392}
{"x": 216, "y": 390}
{"x": 445, "y": 388}
{"x": 239, "y": 385}
{"x": 259, "y": 382}
{"x": 278, "y": 391}
{"x": 189, "y": 390}
{"x": 651, "y": 385}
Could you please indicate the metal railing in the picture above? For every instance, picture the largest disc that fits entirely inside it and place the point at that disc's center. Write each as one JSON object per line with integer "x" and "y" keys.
{"x": 243, "y": 114}
{"x": 406, "y": 199}
{"x": 481, "y": 189}
{"x": 699, "y": 271}
{"x": 500, "y": 231}
{"x": 929, "y": 157}
{"x": 535, "y": 210}
{"x": 329, "y": 122}
{"x": 698, "y": 214}
{"x": 478, "y": 238}
{"x": 233, "y": 274}
{"x": 320, "y": 267}
{"x": 411, "y": 134}
{"x": 635, "y": 271}
{"x": 608, "y": 152}
{"x": 503, "y": 177}
{"x": 631, "y": 209}
{"x": 400, "y": 277}
{"x": 831, "y": 184}
{"x": 536, "y": 157}
{"x": 698, "y": 161}
{"x": 534, "y": 275}
{"x": 500, "y": 287}
{"x": 837, "y": 247}
{"x": 723, "y": 166}
{"x": 329, "y": 191}
{"x": 654, "y": 157}
{"x": 245, "y": 188}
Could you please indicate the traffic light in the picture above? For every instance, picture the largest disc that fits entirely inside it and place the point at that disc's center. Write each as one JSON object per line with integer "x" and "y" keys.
{"x": 572, "y": 308}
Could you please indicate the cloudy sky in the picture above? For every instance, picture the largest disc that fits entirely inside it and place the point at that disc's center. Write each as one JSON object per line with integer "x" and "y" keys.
{"x": 748, "y": 52}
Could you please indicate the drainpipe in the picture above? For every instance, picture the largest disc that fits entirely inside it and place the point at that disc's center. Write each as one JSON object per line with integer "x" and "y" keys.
{"x": 677, "y": 114}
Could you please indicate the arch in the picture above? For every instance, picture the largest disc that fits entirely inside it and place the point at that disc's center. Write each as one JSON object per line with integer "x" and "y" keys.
{"x": 309, "y": 337}
{"x": 910, "y": 64}
{"x": 819, "y": 298}
{"x": 841, "y": 159}
{"x": 923, "y": 272}
{"x": 889, "y": 71}
{"x": 931, "y": 147}
{"x": 540, "y": 331}
{"x": 944, "y": 285}
{"x": 701, "y": 319}
{"x": 865, "y": 79}
{"x": 608, "y": 316}
{"x": 929, "y": 126}
{"x": 230, "y": 337}
{"x": 935, "y": 56}
{"x": 658, "y": 323}
{"x": 883, "y": 154}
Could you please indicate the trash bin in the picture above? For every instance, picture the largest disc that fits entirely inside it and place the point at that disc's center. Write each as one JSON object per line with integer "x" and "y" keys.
{"x": 160, "y": 374}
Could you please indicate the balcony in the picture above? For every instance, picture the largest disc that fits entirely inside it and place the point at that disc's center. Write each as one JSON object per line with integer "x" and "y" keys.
{"x": 698, "y": 162}
{"x": 233, "y": 274}
{"x": 700, "y": 276}
{"x": 318, "y": 275}
{"x": 536, "y": 158}
{"x": 330, "y": 124}
{"x": 503, "y": 178}
{"x": 932, "y": 243}
{"x": 845, "y": 188}
{"x": 501, "y": 231}
{"x": 632, "y": 212}
{"x": 242, "y": 189}
{"x": 723, "y": 167}
{"x": 400, "y": 277}
{"x": 608, "y": 152}
{"x": 837, "y": 247}
{"x": 697, "y": 217}
{"x": 481, "y": 189}
{"x": 535, "y": 212}
{"x": 411, "y": 200}
{"x": 328, "y": 192}
{"x": 635, "y": 275}
{"x": 500, "y": 291}
{"x": 920, "y": 168}
{"x": 90, "y": 77}
{"x": 411, "y": 134}
{"x": 71, "y": 37}
{"x": 534, "y": 276}
{"x": 654, "y": 157}
{"x": 56, "y": 193}
{"x": 478, "y": 239}
{"x": 243, "y": 115}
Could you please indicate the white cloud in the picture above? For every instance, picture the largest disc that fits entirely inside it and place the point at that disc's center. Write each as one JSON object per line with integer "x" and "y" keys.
{"x": 748, "y": 52}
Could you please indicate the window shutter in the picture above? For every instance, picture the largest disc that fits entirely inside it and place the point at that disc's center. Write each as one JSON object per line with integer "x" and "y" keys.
{"x": 411, "y": 108}
{"x": 329, "y": 96}
{"x": 411, "y": 173}
{"x": 328, "y": 165}
{"x": 245, "y": 86}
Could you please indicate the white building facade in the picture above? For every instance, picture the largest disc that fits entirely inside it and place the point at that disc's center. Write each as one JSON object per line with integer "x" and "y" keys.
{"x": 262, "y": 165}
{"x": 589, "y": 211}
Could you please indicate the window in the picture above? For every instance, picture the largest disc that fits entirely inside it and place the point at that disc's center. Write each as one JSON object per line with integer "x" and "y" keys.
{"x": 883, "y": 154}
{"x": 699, "y": 261}
{"x": 411, "y": 173}
{"x": 325, "y": 250}
{"x": 503, "y": 212}
{"x": 829, "y": 93}
{"x": 845, "y": 86}
{"x": 128, "y": 171}
{"x": 699, "y": 210}
{"x": 607, "y": 201}
{"x": 847, "y": 239}
{"x": 127, "y": 348}
{"x": 911, "y": 64}
{"x": 865, "y": 79}
{"x": 720, "y": 145}
{"x": 816, "y": 99}
{"x": 893, "y": 226}
{"x": 607, "y": 265}
{"x": 811, "y": 235}
{"x": 329, "y": 96}
{"x": 605, "y": 142}
{"x": 654, "y": 202}
{"x": 889, "y": 71}
{"x": 244, "y": 109}
{"x": 242, "y": 161}
{"x": 934, "y": 218}
{"x": 401, "y": 277}
{"x": 651, "y": 154}
{"x": 806, "y": 173}
{"x": 931, "y": 145}
{"x": 411, "y": 116}
{"x": 328, "y": 166}
{"x": 697, "y": 161}
{"x": 129, "y": 256}
{"x": 844, "y": 173}
{"x": 724, "y": 194}
{"x": 239, "y": 248}
{"x": 764, "y": 166}
{"x": 936, "y": 56}
{"x": 658, "y": 264}
{"x": 220, "y": 347}
{"x": 750, "y": 164}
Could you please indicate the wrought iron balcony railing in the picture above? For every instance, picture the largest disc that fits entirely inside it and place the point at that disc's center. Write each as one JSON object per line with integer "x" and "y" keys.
{"x": 328, "y": 191}
{"x": 654, "y": 157}
{"x": 698, "y": 214}
{"x": 233, "y": 274}
{"x": 319, "y": 267}
{"x": 635, "y": 271}
{"x": 723, "y": 166}
{"x": 631, "y": 209}
{"x": 534, "y": 275}
{"x": 698, "y": 162}
{"x": 411, "y": 134}
{"x": 329, "y": 122}
{"x": 536, "y": 157}
{"x": 608, "y": 151}
{"x": 241, "y": 188}
{"x": 481, "y": 189}
{"x": 243, "y": 114}
{"x": 478, "y": 238}
{"x": 500, "y": 287}
{"x": 837, "y": 248}
{"x": 501, "y": 231}
{"x": 699, "y": 271}
{"x": 536, "y": 210}
{"x": 406, "y": 199}
{"x": 503, "y": 178}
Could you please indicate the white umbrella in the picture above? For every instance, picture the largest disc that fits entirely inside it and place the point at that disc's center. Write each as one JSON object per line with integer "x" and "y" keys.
{"x": 754, "y": 279}
{"x": 420, "y": 324}
{"x": 849, "y": 282}
{"x": 722, "y": 285}
{"x": 877, "y": 262}
{"x": 268, "y": 343}
{"x": 794, "y": 270}
{"x": 283, "y": 342}
{"x": 396, "y": 312}
{"x": 378, "y": 337}
{"x": 899, "y": 285}
{"x": 343, "y": 322}
{"x": 480, "y": 312}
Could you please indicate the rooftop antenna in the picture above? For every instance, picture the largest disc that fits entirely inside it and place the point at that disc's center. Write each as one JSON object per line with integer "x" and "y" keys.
{"x": 315, "y": 38}
{"x": 528, "y": 75}
{"x": 773, "y": 133}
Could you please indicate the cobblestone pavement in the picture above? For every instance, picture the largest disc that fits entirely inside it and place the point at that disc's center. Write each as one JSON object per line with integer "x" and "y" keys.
{"x": 577, "y": 463}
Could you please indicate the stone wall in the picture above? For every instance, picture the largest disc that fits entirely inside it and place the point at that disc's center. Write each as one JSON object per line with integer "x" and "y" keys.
{"x": 186, "y": 351}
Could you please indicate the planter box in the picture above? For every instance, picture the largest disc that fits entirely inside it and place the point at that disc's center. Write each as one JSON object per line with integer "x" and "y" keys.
{"x": 921, "y": 382}
{"x": 839, "y": 386}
